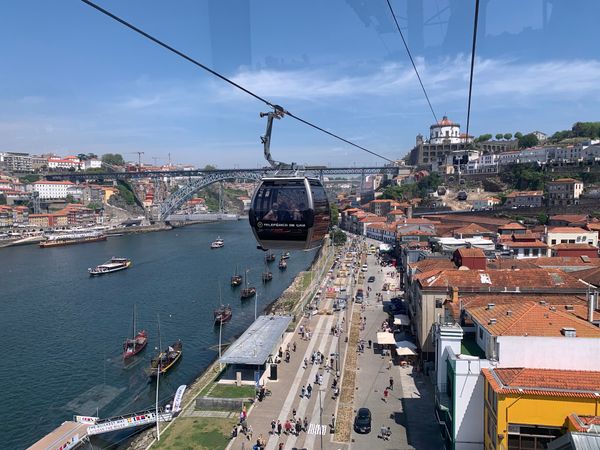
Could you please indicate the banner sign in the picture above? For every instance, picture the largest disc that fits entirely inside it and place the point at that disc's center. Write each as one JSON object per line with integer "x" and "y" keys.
{"x": 85, "y": 419}
{"x": 178, "y": 398}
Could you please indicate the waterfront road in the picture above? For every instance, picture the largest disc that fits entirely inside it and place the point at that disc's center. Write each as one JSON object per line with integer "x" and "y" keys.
{"x": 410, "y": 402}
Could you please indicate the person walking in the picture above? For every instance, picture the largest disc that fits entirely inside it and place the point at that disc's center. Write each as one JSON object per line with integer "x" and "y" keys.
{"x": 332, "y": 422}
{"x": 279, "y": 427}
{"x": 305, "y": 424}
{"x": 302, "y": 392}
{"x": 385, "y": 394}
{"x": 320, "y": 379}
{"x": 309, "y": 391}
{"x": 391, "y": 383}
{"x": 273, "y": 425}
{"x": 249, "y": 432}
{"x": 390, "y": 364}
{"x": 298, "y": 427}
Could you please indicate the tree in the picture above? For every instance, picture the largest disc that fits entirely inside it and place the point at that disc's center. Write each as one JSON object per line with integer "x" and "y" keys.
{"x": 210, "y": 167}
{"x": 483, "y": 138}
{"x": 508, "y": 136}
{"x": 543, "y": 219}
{"x": 529, "y": 140}
{"x": 82, "y": 156}
{"x": 2, "y": 199}
{"x": 335, "y": 213}
{"x": 338, "y": 237}
{"x": 114, "y": 159}
{"x": 499, "y": 136}
{"x": 518, "y": 135}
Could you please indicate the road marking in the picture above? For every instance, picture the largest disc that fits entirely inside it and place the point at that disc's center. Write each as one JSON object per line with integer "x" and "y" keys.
{"x": 315, "y": 428}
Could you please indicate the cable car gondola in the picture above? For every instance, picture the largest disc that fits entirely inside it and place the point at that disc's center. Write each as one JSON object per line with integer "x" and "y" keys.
{"x": 290, "y": 213}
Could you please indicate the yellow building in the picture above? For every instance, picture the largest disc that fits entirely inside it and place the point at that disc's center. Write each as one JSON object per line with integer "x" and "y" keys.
{"x": 528, "y": 408}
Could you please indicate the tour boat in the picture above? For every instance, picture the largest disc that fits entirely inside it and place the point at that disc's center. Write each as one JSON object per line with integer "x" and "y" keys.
{"x": 166, "y": 359}
{"x": 282, "y": 264}
{"x": 248, "y": 291}
{"x": 267, "y": 276}
{"x": 58, "y": 240}
{"x": 217, "y": 243}
{"x": 270, "y": 257}
{"x": 236, "y": 279}
{"x": 222, "y": 314}
{"x": 137, "y": 343}
{"x": 285, "y": 255}
{"x": 113, "y": 265}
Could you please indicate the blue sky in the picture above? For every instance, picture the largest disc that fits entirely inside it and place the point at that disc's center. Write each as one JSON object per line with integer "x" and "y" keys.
{"x": 74, "y": 81}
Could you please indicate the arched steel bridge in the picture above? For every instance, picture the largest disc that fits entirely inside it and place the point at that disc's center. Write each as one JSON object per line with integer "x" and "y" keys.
{"x": 199, "y": 179}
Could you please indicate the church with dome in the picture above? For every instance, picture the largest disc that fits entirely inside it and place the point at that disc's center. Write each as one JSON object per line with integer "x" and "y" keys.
{"x": 446, "y": 146}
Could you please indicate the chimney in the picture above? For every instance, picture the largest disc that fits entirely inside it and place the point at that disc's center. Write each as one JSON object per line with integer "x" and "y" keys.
{"x": 490, "y": 306}
{"x": 454, "y": 294}
{"x": 591, "y": 306}
{"x": 491, "y": 321}
{"x": 509, "y": 313}
{"x": 409, "y": 212}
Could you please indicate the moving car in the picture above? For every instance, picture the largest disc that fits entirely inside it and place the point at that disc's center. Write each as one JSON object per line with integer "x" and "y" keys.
{"x": 371, "y": 279}
{"x": 362, "y": 421}
{"x": 364, "y": 268}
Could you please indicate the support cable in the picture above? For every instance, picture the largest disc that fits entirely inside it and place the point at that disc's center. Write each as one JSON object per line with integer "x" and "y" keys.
{"x": 224, "y": 78}
{"x": 412, "y": 60}
{"x": 472, "y": 66}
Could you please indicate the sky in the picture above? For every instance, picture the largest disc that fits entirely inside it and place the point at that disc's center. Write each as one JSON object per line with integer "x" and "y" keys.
{"x": 74, "y": 81}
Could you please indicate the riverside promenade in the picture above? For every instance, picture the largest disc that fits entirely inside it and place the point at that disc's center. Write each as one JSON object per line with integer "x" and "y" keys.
{"x": 408, "y": 410}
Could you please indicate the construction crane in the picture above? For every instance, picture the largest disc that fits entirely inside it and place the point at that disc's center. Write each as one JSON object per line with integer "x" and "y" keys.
{"x": 139, "y": 159}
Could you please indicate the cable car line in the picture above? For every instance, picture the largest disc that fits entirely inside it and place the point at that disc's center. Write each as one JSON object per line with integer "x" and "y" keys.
{"x": 224, "y": 78}
{"x": 472, "y": 65}
{"x": 411, "y": 60}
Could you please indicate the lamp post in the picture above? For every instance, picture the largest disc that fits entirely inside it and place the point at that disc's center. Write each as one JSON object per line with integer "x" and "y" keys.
{"x": 320, "y": 418}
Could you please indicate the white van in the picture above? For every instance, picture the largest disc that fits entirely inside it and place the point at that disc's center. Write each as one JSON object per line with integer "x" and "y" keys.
{"x": 364, "y": 268}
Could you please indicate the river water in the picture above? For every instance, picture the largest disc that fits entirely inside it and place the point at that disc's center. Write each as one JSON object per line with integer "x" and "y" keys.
{"x": 62, "y": 331}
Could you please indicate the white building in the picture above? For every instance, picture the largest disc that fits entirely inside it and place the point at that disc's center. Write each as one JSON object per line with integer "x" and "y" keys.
{"x": 68, "y": 162}
{"x": 485, "y": 203}
{"x": 52, "y": 189}
{"x": 90, "y": 164}
{"x": 445, "y": 132}
{"x": 533, "y": 155}
{"x": 570, "y": 235}
{"x": 541, "y": 136}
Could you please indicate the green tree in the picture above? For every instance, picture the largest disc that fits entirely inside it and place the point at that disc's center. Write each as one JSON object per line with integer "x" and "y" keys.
{"x": 70, "y": 199}
{"x": 529, "y": 140}
{"x": 210, "y": 167}
{"x": 518, "y": 135}
{"x": 499, "y": 136}
{"x": 94, "y": 206}
{"x": 483, "y": 138}
{"x": 31, "y": 178}
{"x": 82, "y": 156}
{"x": 114, "y": 159}
{"x": 2, "y": 199}
{"x": 335, "y": 213}
{"x": 508, "y": 136}
{"x": 338, "y": 237}
{"x": 543, "y": 219}
{"x": 586, "y": 129}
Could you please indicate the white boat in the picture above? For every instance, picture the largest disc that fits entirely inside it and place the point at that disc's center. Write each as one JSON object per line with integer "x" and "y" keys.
{"x": 113, "y": 265}
{"x": 217, "y": 243}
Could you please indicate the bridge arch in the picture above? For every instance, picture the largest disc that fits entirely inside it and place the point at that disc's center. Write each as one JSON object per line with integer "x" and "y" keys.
{"x": 187, "y": 191}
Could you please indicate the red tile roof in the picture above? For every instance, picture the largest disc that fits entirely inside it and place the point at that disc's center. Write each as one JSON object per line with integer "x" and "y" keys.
{"x": 570, "y": 217}
{"x": 525, "y": 194}
{"x": 472, "y": 228}
{"x": 565, "y": 180}
{"x": 526, "y": 280}
{"x": 567, "y": 230}
{"x": 580, "y": 246}
{"x": 472, "y": 252}
{"x": 530, "y": 319}
{"x": 544, "y": 382}
{"x": 525, "y": 244}
{"x": 513, "y": 226}
{"x": 53, "y": 182}
{"x": 578, "y": 302}
{"x": 583, "y": 423}
{"x": 591, "y": 276}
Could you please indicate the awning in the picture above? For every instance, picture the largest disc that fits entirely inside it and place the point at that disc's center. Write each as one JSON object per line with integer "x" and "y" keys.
{"x": 405, "y": 351}
{"x": 401, "y": 319}
{"x": 385, "y": 338}
{"x": 406, "y": 344}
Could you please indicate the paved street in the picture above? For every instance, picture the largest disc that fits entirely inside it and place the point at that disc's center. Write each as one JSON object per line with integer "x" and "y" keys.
{"x": 410, "y": 403}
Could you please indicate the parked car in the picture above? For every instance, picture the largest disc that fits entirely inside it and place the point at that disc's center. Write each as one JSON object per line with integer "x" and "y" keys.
{"x": 364, "y": 268}
{"x": 371, "y": 279}
{"x": 362, "y": 421}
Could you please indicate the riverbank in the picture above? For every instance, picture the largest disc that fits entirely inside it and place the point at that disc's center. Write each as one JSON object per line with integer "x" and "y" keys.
{"x": 291, "y": 302}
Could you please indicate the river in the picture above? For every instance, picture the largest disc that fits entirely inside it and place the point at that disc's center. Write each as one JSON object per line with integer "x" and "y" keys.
{"x": 62, "y": 331}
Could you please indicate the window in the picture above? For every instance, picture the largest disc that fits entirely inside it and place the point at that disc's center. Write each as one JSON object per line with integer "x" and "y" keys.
{"x": 553, "y": 241}
{"x": 528, "y": 437}
{"x": 480, "y": 333}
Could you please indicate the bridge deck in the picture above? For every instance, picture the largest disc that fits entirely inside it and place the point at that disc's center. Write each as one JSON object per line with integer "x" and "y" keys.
{"x": 68, "y": 432}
